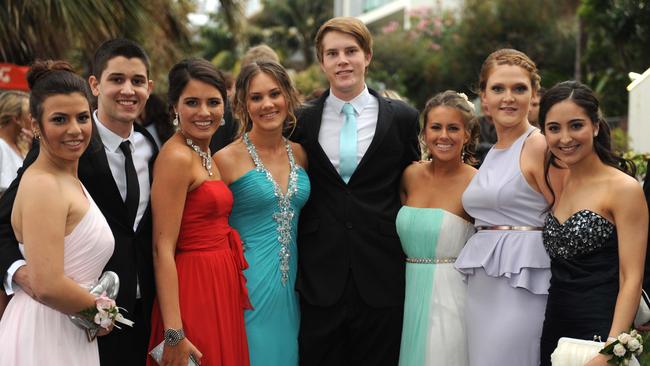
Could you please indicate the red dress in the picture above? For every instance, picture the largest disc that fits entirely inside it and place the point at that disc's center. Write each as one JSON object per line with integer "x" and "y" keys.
{"x": 211, "y": 285}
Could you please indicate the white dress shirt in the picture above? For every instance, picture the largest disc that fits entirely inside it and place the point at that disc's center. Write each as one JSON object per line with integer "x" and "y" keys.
{"x": 366, "y": 109}
{"x": 141, "y": 150}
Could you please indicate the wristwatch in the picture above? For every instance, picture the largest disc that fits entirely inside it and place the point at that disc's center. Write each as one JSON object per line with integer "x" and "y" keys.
{"x": 173, "y": 336}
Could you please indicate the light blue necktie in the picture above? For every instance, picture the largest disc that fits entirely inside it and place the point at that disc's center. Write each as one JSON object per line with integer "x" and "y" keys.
{"x": 348, "y": 143}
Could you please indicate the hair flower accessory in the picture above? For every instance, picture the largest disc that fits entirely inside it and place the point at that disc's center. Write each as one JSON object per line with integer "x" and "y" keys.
{"x": 624, "y": 347}
{"x": 470, "y": 104}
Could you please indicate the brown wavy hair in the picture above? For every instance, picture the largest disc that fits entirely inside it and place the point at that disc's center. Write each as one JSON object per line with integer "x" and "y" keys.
{"x": 242, "y": 89}
{"x": 453, "y": 100}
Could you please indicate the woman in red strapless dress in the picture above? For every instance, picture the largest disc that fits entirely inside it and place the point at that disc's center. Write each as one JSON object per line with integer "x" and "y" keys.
{"x": 197, "y": 256}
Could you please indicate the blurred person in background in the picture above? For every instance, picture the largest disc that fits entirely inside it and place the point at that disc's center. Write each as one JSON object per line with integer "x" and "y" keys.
{"x": 14, "y": 120}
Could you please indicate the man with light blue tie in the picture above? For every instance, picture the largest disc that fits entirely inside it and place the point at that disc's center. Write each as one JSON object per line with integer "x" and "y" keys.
{"x": 351, "y": 265}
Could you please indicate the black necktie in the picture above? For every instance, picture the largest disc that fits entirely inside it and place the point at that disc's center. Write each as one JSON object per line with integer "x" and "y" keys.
{"x": 132, "y": 186}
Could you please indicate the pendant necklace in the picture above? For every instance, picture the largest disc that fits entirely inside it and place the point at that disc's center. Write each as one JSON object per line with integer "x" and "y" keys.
{"x": 206, "y": 159}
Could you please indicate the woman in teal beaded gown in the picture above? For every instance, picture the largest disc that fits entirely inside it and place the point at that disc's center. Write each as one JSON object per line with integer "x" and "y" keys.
{"x": 433, "y": 228}
{"x": 266, "y": 174}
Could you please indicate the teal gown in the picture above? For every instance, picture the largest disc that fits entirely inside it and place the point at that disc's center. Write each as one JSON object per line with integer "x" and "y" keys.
{"x": 267, "y": 220}
{"x": 434, "y": 303}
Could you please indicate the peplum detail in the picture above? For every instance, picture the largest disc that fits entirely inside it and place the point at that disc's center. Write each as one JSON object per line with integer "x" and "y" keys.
{"x": 500, "y": 195}
{"x": 517, "y": 255}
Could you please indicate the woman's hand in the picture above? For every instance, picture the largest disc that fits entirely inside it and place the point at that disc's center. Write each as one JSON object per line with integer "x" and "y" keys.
{"x": 103, "y": 331}
{"x": 599, "y": 360}
{"x": 179, "y": 354}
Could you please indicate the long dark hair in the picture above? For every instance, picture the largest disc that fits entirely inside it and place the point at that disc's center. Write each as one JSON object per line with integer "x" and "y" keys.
{"x": 584, "y": 98}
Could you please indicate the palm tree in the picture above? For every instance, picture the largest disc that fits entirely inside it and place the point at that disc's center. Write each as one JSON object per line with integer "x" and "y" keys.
{"x": 73, "y": 29}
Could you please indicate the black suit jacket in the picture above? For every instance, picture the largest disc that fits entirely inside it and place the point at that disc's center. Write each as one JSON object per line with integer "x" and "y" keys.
{"x": 351, "y": 227}
{"x": 132, "y": 256}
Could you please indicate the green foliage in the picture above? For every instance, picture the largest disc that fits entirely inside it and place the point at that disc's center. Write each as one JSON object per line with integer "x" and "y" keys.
{"x": 640, "y": 161}
{"x": 620, "y": 140}
{"x": 617, "y": 41}
{"x": 444, "y": 50}
{"x": 309, "y": 80}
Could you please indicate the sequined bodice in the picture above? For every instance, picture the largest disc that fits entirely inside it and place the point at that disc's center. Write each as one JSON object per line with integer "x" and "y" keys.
{"x": 582, "y": 233}
{"x": 284, "y": 215}
{"x": 584, "y": 272}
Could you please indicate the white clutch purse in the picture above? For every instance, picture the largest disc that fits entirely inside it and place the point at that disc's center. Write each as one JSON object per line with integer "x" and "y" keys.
{"x": 577, "y": 352}
{"x": 643, "y": 313}
{"x": 157, "y": 352}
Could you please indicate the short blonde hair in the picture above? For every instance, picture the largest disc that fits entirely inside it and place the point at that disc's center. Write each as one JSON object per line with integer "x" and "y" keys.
{"x": 347, "y": 25}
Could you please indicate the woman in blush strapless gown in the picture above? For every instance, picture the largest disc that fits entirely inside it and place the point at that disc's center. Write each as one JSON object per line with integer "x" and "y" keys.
{"x": 266, "y": 174}
{"x": 198, "y": 257}
{"x": 66, "y": 239}
{"x": 433, "y": 228}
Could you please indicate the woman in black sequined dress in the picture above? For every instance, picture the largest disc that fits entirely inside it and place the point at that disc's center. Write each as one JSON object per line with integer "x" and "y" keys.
{"x": 597, "y": 227}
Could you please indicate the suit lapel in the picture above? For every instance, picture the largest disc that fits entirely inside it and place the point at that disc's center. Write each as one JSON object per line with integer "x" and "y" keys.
{"x": 100, "y": 180}
{"x": 384, "y": 119}
{"x": 153, "y": 144}
{"x": 313, "y": 117}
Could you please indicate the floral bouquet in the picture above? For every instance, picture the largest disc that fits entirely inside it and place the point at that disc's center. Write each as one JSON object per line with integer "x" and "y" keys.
{"x": 624, "y": 347}
{"x": 105, "y": 313}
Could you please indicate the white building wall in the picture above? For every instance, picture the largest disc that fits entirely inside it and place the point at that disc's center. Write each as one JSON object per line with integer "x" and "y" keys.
{"x": 638, "y": 127}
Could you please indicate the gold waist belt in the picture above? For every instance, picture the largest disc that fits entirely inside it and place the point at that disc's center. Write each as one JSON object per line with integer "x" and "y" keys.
{"x": 506, "y": 227}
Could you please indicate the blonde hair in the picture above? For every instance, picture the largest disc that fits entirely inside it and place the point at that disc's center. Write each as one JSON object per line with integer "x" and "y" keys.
{"x": 347, "y": 25}
{"x": 12, "y": 105}
{"x": 460, "y": 103}
{"x": 258, "y": 53}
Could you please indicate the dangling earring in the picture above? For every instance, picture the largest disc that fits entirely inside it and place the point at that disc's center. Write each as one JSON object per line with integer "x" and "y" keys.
{"x": 175, "y": 121}
{"x": 462, "y": 154}
{"x": 596, "y": 134}
{"x": 223, "y": 122}
{"x": 36, "y": 134}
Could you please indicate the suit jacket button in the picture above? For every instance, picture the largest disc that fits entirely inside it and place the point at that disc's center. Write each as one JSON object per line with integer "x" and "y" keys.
{"x": 348, "y": 224}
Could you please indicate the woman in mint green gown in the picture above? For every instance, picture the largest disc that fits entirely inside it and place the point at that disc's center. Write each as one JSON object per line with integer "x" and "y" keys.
{"x": 266, "y": 175}
{"x": 433, "y": 228}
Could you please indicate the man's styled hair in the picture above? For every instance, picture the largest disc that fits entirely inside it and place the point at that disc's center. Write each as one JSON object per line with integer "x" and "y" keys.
{"x": 347, "y": 25}
{"x": 114, "y": 48}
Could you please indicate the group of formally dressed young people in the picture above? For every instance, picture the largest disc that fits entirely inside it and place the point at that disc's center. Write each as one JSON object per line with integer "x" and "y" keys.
{"x": 318, "y": 236}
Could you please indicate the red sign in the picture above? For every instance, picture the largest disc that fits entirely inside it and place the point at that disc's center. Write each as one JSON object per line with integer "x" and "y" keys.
{"x": 13, "y": 77}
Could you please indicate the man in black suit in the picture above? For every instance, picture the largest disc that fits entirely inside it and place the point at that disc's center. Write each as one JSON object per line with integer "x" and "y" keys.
{"x": 116, "y": 171}
{"x": 351, "y": 265}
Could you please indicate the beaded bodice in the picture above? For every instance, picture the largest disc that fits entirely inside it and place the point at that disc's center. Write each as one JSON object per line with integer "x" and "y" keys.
{"x": 582, "y": 233}
{"x": 285, "y": 213}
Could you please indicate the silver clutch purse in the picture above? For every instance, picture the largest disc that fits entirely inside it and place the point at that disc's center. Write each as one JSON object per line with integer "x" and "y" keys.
{"x": 109, "y": 282}
{"x": 157, "y": 352}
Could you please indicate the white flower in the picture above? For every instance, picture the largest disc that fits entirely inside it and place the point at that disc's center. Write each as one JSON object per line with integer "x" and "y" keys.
{"x": 103, "y": 319}
{"x": 470, "y": 104}
{"x": 619, "y": 350}
{"x": 633, "y": 345}
{"x": 633, "y": 333}
{"x": 639, "y": 351}
{"x": 624, "y": 338}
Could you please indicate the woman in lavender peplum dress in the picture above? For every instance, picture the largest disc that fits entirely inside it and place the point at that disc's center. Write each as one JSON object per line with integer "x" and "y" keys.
{"x": 505, "y": 262}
